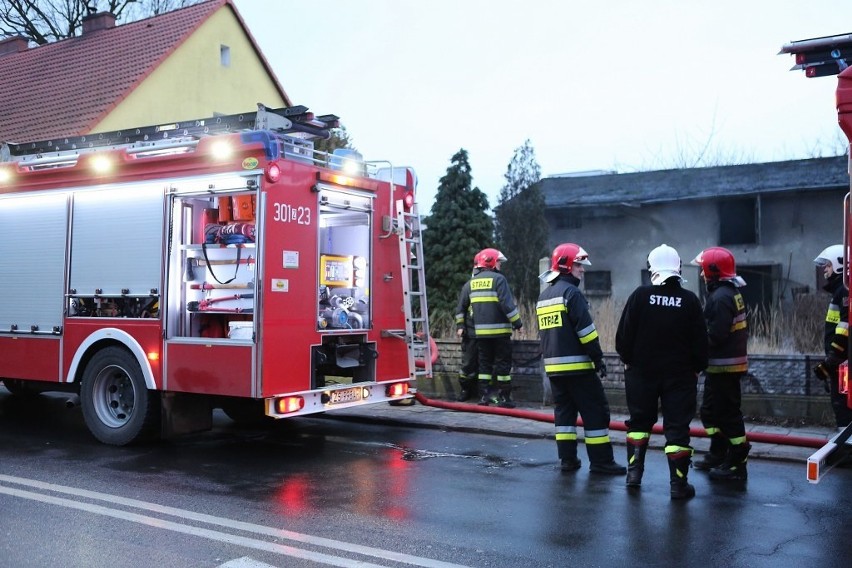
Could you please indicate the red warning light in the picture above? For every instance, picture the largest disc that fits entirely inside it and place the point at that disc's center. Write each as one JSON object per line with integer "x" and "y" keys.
{"x": 273, "y": 172}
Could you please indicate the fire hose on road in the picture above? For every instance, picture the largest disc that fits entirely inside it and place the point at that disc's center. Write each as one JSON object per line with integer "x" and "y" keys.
{"x": 760, "y": 437}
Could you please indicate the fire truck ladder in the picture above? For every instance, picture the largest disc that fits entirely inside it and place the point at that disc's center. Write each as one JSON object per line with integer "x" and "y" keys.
{"x": 416, "y": 332}
{"x": 295, "y": 122}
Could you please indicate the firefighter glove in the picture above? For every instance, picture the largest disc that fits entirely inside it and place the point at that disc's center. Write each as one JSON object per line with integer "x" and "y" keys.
{"x": 600, "y": 368}
{"x": 833, "y": 361}
{"x": 822, "y": 373}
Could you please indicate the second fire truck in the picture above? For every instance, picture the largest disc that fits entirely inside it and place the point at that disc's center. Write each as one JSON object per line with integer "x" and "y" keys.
{"x": 821, "y": 57}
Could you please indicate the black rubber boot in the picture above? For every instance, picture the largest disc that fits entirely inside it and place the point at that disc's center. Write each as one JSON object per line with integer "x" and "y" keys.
{"x": 506, "y": 396}
{"x": 735, "y": 465}
{"x": 716, "y": 456}
{"x": 636, "y": 461}
{"x": 678, "y": 471}
{"x": 568, "y": 455}
{"x": 468, "y": 390}
{"x": 611, "y": 468}
{"x": 600, "y": 456}
{"x": 489, "y": 396}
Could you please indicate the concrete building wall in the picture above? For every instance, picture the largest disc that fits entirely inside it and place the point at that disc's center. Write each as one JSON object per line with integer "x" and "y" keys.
{"x": 794, "y": 228}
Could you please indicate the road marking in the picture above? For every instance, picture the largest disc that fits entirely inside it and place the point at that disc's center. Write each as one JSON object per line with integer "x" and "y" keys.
{"x": 213, "y": 520}
{"x": 245, "y": 562}
{"x": 187, "y": 529}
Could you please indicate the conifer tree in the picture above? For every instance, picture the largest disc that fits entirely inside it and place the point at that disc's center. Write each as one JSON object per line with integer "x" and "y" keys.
{"x": 520, "y": 224}
{"x": 457, "y": 228}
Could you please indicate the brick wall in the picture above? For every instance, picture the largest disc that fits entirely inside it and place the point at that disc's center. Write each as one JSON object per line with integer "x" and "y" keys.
{"x": 778, "y": 388}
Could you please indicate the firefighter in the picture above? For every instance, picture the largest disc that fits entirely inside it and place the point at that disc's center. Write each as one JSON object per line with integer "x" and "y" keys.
{"x": 727, "y": 330}
{"x": 573, "y": 359}
{"x": 836, "y": 336}
{"x": 468, "y": 371}
{"x": 662, "y": 340}
{"x": 495, "y": 316}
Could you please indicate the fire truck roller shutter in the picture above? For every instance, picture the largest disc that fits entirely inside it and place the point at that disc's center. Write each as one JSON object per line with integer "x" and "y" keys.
{"x": 33, "y": 261}
{"x": 117, "y": 239}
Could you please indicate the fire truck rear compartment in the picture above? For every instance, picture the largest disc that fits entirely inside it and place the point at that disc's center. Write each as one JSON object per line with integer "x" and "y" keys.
{"x": 341, "y": 360}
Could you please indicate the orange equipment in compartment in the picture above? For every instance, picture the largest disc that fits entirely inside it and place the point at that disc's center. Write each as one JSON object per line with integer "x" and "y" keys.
{"x": 242, "y": 207}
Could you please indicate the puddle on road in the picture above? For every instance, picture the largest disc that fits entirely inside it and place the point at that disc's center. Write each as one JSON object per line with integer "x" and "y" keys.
{"x": 412, "y": 454}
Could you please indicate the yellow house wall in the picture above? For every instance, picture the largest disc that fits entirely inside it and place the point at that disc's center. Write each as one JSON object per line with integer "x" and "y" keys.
{"x": 192, "y": 82}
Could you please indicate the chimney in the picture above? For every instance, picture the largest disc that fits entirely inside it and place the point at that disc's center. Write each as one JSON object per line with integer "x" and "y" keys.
{"x": 99, "y": 21}
{"x": 15, "y": 44}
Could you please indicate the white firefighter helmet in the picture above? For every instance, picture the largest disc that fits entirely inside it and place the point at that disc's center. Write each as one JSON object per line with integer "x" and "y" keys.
{"x": 832, "y": 254}
{"x": 663, "y": 263}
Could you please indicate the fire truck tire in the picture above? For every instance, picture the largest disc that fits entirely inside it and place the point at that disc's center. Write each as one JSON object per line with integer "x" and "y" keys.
{"x": 117, "y": 406}
{"x": 246, "y": 412}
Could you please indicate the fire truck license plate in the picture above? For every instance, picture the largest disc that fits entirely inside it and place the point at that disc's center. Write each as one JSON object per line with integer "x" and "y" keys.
{"x": 346, "y": 395}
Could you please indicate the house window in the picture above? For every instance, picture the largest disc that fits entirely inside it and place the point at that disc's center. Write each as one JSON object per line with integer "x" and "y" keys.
{"x": 569, "y": 220}
{"x": 761, "y": 290}
{"x": 598, "y": 283}
{"x": 739, "y": 221}
{"x": 225, "y": 55}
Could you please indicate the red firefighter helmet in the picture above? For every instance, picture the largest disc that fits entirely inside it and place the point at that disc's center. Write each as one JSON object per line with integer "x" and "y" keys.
{"x": 488, "y": 258}
{"x": 565, "y": 255}
{"x": 717, "y": 263}
{"x": 563, "y": 258}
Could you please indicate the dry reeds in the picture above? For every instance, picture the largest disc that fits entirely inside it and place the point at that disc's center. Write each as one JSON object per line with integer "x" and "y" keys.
{"x": 794, "y": 329}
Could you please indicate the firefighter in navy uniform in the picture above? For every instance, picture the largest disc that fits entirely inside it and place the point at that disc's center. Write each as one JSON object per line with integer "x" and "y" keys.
{"x": 836, "y": 330}
{"x": 495, "y": 316}
{"x": 573, "y": 358}
{"x": 727, "y": 330}
{"x": 468, "y": 371}
{"x": 662, "y": 340}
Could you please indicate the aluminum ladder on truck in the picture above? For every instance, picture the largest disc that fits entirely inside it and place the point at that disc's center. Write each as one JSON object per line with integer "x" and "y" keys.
{"x": 295, "y": 123}
{"x": 416, "y": 333}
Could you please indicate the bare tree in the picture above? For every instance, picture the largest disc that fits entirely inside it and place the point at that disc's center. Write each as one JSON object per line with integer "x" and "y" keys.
{"x": 693, "y": 152}
{"x": 46, "y": 21}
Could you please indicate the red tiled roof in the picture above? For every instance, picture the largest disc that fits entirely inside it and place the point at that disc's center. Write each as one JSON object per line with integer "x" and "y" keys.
{"x": 65, "y": 88}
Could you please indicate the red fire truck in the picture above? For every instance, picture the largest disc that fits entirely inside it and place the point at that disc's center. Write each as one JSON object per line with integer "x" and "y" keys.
{"x": 169, "y": 270}
{"x": 821, "y": 57}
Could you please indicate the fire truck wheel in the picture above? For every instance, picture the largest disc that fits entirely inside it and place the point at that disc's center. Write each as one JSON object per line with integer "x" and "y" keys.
{"x": 117, "y": 406}
{"x": 246, "y": 412}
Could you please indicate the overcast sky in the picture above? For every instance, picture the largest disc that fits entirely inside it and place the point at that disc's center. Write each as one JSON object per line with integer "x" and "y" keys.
{"x": 620, "y": 85}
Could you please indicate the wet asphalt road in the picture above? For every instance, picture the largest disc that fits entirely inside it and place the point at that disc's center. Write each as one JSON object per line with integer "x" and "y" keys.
{"x": 321, "y": 491}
